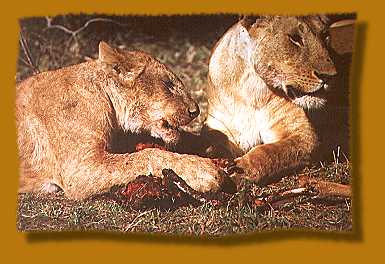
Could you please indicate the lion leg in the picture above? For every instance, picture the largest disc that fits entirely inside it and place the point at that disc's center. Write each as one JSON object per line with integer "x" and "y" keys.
{"x": 101, "y": 172}
{"x": 264, "y": 163}
{"x": 36, "y": 181}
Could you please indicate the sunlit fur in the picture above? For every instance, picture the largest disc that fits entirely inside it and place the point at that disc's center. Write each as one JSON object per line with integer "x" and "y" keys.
{"x": 250, "y": 71}
{"x": 66, "y": 119}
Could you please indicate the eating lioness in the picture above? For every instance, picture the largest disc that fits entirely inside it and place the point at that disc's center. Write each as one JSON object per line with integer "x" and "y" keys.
{"x": 66, "y": 120}
{"x": 264, "y": 74}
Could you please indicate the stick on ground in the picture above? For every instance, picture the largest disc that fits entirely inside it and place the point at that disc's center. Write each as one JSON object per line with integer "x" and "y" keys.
{"x": 326, "y": 188}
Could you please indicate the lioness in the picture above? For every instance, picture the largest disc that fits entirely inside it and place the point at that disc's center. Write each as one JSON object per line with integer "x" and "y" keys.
{"x": 66, "y": 120}
{"x": 264, "y": 74}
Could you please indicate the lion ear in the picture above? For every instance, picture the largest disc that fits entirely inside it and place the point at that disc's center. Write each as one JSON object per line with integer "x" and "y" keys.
{"x": 107, "y": 54}
{"x": 255, "y": 21}
{"x": 247, "y": 21}
{"x": 342, "y": 35}
{"x": 343, "y": 23}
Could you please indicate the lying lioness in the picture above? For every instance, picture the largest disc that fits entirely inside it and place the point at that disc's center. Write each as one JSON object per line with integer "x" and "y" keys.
{"x": 66, "y": 119}
{"x": 263, "y": 75}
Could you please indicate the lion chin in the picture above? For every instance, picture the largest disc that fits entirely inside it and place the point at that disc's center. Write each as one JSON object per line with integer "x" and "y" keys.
{"x": 309, "y": 102}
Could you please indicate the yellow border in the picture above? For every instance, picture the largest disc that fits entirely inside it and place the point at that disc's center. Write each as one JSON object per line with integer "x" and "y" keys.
{"x": 367, "y": 66}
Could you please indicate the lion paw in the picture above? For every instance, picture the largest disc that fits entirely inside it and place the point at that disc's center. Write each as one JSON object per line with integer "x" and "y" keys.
{"x": 201, "y": 174}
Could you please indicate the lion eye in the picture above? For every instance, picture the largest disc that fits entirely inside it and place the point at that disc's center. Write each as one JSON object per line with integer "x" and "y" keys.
{"x": 296, "y": 39}
{"x": 116, "y": 68}
{"x": 327, "y": 40}
{"x": 325, "y": 37}
{"x": 168, "y": 84}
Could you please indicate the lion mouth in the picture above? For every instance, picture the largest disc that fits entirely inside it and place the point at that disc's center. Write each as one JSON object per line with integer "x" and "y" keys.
{"x": 166, "y": 131}
{"x": 293, "y": 92}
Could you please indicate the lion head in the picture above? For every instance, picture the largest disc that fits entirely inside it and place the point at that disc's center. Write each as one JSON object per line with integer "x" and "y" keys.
{"x": 291, "y": 55}
{"x": 147, "y": 95}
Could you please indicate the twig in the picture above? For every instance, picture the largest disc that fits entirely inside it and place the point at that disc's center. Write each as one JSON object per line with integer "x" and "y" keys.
{"x": 27, "y": 53}
{"x": 134, "y": 222}
{"x": 308, "y": 186}
{"x": 326, "y": 188}
{"x": 73, "y": 33}
{"x": 277, "y": 199}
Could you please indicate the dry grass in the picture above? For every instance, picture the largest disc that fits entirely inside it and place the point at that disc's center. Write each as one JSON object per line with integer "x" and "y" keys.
{"x": 178, "y": 43}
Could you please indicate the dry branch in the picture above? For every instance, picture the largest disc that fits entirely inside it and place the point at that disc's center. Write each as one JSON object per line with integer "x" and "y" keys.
{"x": 308, "y": 187}
{"x": 278, "y": 199}
{"x": 27, "y": 53}
{"x": 326, "y": 188}
{"x": 73, "y": 33}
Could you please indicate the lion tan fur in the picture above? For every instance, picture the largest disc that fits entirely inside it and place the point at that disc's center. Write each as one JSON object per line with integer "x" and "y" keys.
{"x": 66, "y": 118}
{"x": 264, "y": 74}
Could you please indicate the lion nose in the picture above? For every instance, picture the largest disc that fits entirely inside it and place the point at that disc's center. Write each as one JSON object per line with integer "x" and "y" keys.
{"x": 193, "y": 110}
{"x": 325, "y": 78}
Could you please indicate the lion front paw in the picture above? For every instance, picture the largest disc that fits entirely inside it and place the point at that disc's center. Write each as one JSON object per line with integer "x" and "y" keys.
{"x": 245, "y": 169}
{"x": 201, "y": 174}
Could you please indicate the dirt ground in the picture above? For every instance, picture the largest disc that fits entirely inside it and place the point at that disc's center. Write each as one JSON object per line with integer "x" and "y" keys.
{"x": 184, "y": 44}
